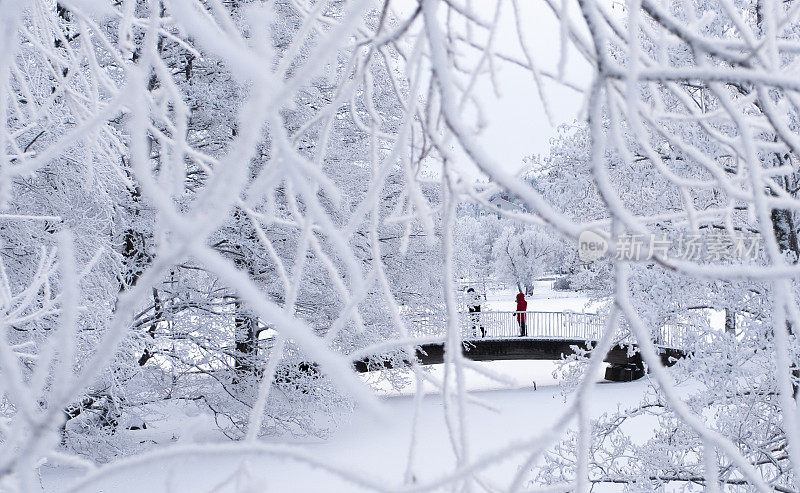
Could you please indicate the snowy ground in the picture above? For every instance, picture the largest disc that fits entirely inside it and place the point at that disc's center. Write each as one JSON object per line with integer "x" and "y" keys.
{"x": 375, "y": 449}
{"x": 543, "y": 299}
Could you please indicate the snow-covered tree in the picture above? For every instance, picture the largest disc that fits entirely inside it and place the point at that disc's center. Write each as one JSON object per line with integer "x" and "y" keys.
{"x": 521, "y": 254}
{"x": 226, "y": 201}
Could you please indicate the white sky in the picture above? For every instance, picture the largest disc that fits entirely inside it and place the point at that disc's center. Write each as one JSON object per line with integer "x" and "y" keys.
{"x": 517, "y": 123}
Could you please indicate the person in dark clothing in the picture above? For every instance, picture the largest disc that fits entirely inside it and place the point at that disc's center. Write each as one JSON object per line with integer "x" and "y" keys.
{"x": 474, "y": 307}
{"x": 522, "y": 306}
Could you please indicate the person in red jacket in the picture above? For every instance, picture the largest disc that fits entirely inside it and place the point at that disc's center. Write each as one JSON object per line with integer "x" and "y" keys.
{"x": 522, "y": 306}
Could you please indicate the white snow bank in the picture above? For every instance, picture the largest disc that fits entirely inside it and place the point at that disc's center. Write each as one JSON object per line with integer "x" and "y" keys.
{"x": 376, "y": 450}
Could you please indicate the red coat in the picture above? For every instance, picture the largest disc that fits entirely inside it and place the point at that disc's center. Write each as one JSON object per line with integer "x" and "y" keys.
{"x": 522, "y": 306}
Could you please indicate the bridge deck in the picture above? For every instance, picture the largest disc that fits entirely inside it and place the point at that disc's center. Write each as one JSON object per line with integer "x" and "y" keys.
{"x": 532, "y": 349}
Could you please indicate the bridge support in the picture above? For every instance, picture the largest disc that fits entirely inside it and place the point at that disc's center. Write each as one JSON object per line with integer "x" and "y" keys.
{"x": 624, "y": 373}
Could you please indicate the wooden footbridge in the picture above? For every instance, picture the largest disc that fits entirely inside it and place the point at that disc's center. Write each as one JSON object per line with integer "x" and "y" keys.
{"x": 495, "y": 335}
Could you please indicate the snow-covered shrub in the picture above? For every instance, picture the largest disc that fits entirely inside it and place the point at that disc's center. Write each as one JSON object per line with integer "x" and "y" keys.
{"x": 563, "y": 283}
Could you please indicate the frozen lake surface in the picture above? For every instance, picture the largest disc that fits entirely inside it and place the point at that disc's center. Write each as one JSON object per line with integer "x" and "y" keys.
{"x": 377, "y": 450}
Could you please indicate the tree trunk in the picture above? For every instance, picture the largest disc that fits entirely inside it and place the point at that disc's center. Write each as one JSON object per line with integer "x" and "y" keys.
{"x": 730, "y": 321}
{"x": 246, "y": 341}
{"x": 158, "y": 313}
{"x": 785, "y": 231}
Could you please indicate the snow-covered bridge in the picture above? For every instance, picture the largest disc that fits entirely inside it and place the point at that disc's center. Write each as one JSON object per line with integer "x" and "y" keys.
{"x": 554, "y": 325}
{"x": 530, "y": 335}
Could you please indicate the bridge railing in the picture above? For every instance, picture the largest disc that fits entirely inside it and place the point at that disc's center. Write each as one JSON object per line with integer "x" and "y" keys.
{"x": 557, "y": 325}
{"x": 675, "y": 335}
{"x": 549, "y": 325}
